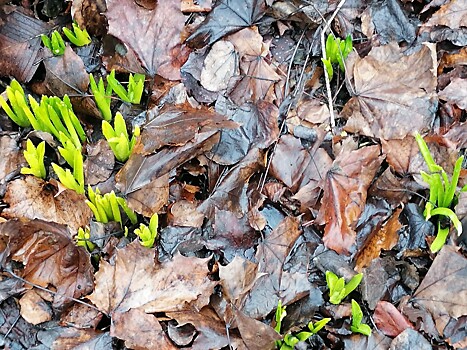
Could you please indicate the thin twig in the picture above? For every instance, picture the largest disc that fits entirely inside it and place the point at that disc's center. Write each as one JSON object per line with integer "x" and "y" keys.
{"x": 50, "y": 291}
{"x": 326, "y": 75}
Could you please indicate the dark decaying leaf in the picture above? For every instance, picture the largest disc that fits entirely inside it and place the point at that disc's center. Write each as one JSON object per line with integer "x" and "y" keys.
{"x": 23, "y": 334}
{"x": 139, "y": 330}
{"x": 389, "y": 320}
{"x": 345, "y": 194}
{"x": 133, "y": 280}
{"x": 414, "y": 237}
{"x": 19, "y": 45}
{"x": 50, "y": 257}
{"x": 391, "y": 98}
{"x": 33, "y": 198}
{"x": 443, "y": 291}
{"x": 140, "y": 170}
{"x": 258, "y": 128}
{"x": 410, "y": 340}
{"x": 226, "y": 17}
{"x": 153, "y": 35}
{"x": 81, "y": 316}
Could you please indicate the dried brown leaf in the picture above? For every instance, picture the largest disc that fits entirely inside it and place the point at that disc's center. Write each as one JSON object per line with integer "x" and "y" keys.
{"x": 455, "y": 92}
{"x": 81, "y": 339}
{"x": 453, "y": 15}
{"x": 391, "y": 98}
{"x": 151, "y": 198}
{"x": 134, "y": 280}
{"x": 33, "y": 198}
{"x": 345, "y": 194}
{"x": 153, "y": 35}
{"x": 99, "y": 163}
{"x": 389, "y": 320}
{"x": 34, "y": 309}
{"x": 50, "y": 257}
{"x": 11, "y": 156}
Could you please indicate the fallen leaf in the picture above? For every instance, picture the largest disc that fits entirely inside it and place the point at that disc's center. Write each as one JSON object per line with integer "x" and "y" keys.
{"x": 255, "y": 334}
{"x": 19, "y": 46}
{"x": 81, "y": 316}
{"x": 219, "y": 66}
{"x": 153, "y": 35}
{"x": 385, "y": 237}
{"x": 80, "y": 339}
{"x": 345, "y": 193}
{"x": 99, "y": 163}
{"x": 24, "y": 334}
{"x": 410, "y": 340}
{"x": 226, "y": 17}
{"x": 150, "y": 198}
{"x": 196, "y": 5}
{"x": 50, "y": 257}
{"x": 455, "y": 92}
{"x": 389, "y": 320}
{"x": 391, "y": 99}
{"x": 33, "y": 198}
{"x": 11, "y": 156}
{"x": 133, "y": 280}
{"x": 414, "y": 236}
{"x": 453, "y": 15}
{"x": 34, "y": 309}
{"x": 377, "y": 341}
{"x": 184, "y": 214}
{"x": 443, "y": 291}
{"x": 139, "y": 330}
{"x": 399, "y": 153}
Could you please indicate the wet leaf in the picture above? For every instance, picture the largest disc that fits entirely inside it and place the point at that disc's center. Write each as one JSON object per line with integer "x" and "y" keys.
{"x": 49, "y": 256}
{"x": 133, "y": 280}
{"x": 443, "y": 291}
{"x": 226, "y": 17}
{"x": 418, "y": 228}
{"x": 153, "y": 35}
{"x": 99, "y": 163}
{"x": 11, "y": 156}
{"x": 410, "y": 340}
{"x": 344, "y": 197}
{"x": 455, "y": 92}
{"x": 33, "y": 198}
{"x": 387, "y": 90}
{"x": 389, "y": 320}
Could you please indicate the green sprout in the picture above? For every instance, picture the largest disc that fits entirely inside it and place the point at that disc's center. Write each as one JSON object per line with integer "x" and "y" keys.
{"x": 83, "y": 239}
{"x": 442, "y": 193}
{"x": 55, "y": 43}
{"x": 357, "y": 316}
{"x": 75, "y": 180}
{"x": 337, "y": 51}
{"x": 102, "y": 96}
{"x": 338, "y": 289}
{"x": 118, "y": 138}
{"x": 135, "y": 87}
{"x": 148, "y": 234}
{"x": 35, "y": 158}
{"x": 79, "y": 37}
{"x": 107, "y": 207}
{"x": 18, "y": 102}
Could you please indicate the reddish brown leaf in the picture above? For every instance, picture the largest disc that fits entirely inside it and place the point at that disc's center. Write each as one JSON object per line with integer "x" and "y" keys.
{"x": 134, "y": 280}
{"x": 453, "y": 15}
{"x": 34, "y": 309}
{"x": 49, "y": 256}
{"x": 392, "y": 99}
{"x": 389, "y": 320}
{"x": 151, "y": 198}
{"x": 139, "y": 330}
{"x": 345, "y": 194}
{"x": 226, "y": 17}
{"x": 152, "y": 34}
{"x": 33, "y": 198}
{"x": 19, "y": 45}
{"x": 399, "y": 153}
{"x": 385, "y": 238}
{"x": 81, "y": 316}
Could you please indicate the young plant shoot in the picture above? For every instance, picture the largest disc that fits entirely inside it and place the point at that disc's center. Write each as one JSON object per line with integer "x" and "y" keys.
{"x": 19, "y": 105}
{"x": 118, "y": 138}
{"x": 102, "y": 96}
{"x": 135, "y": 87}
{"x": 338, "y": 289}
{"x": 55, "y": 43}
{"x": 83, "y": 239}
{"x": 35, "y": 158}
{"x": 337, "y": 51}
{"x": 148, "y": 234}
{"x": 443, "y": 193}
{"x": 79, "y": 37}
{"x": 357, "y": 316}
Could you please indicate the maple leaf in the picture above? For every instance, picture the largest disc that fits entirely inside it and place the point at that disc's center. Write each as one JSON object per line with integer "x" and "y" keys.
{"x": 134, "y": 280}
{"x": 153, "y": 35}
{"x": 344, "y": 195}
{"x": 226, "y": 17}
{"x": 49, "y": 256}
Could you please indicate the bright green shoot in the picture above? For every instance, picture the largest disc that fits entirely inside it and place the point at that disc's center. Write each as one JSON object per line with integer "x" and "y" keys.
{"x": 135, "y": 87}
{"x": 83, "y": 239}
{"x": 79, "y": 37}
{"x": 69, "y": 179}
{"x": 102, "y": 96}
{"x": 107, "y": 207}
{"x": 148, "y": 234}
{"x": 357, "y": 316}
{"x": 35, "y": 158}
{"x": 338, "y": 289}
{"x": 118, "y": 138}
{"x": 18, "y": 102}
{"x": 55, "y": 43}
{"x": 443, "y": 193}
{"x": 337, "y": 51}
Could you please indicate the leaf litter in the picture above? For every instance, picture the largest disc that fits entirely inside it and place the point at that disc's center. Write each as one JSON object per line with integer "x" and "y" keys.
{"x": 257, "y": 194}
